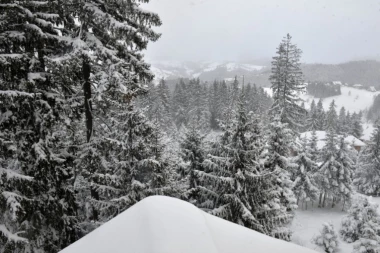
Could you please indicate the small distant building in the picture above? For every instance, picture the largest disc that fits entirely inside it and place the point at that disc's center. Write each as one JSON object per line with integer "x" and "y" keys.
{"x": 337, "y": 82}
{"x": 372, "y": 88}
{"x": 358, "y": 86}
{"x": 352, "y": 141}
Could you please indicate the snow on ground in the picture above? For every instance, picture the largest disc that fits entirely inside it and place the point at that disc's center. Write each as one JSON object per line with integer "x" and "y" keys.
{"x": 167, "y": 225}
{"x": 367, "y": 131}
{"x": 354, "y": 100}
{"x": 308, "y": 223}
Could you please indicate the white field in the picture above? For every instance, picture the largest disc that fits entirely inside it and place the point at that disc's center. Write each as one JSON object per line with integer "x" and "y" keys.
{"x": 354, "y": 100}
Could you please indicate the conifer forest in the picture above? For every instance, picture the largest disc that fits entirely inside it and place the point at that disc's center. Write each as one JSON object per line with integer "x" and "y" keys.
{"x": 89, "y": 127}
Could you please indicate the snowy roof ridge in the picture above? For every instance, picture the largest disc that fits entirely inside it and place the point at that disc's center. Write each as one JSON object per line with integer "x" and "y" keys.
{"x": 166, "y": 225}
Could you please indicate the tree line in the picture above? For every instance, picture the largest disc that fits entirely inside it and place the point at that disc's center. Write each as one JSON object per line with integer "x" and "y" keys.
{"x": 82, "y": 139}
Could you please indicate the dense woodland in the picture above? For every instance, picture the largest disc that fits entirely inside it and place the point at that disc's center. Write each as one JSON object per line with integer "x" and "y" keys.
{"x": 323, "y": 90}
{"x": 84, "y": 134}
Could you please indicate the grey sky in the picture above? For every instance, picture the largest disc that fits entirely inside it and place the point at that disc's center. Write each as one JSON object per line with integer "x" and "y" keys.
{"x": 328, "y": 31}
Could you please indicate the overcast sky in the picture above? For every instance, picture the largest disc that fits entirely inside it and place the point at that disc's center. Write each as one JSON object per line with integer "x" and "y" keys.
{"x": 327, "y": 31}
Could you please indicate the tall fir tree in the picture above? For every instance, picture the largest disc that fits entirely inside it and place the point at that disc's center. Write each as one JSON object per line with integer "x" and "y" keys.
{"x": 321, "y": 115}
{"x": 287, "y": 83}
{"x": 38, "y": 208}
{"x": 304, "y": 186}
{"x": 231, "y": 174}
{"x": 280, "y": 201}
{"x": 331, "y": 118}
{"x": 367, "y": 175}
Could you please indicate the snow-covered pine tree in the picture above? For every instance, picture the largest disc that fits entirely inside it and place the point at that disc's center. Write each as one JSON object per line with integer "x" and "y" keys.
{"x": 287, "y": 83}
{"x": 313, "y": 147}
{"x": 214, "y": 105}
{"x": 180, "y": 104}
{"x": 199, "y": 110}
{"x": 328, "y": 239}
{"x": 327, "y": 174}
{"x": 356, "y": 125}
{"x": 361, "y": 213}
{"x": 331, "y": 118}
{"x": 37, "y": 202}
{"x": 304, "y": 186}
{"x": 230, "y": 174}
{"x": 160, "y": 110}
{"x": 345, "y": 173}
{"x": 312, "y": 121}
{"x": 279, "y": 201}
{"x": 342, "y": 127}
{"x": 193, "y": 154}
{"x": 369, "y": 241}
{"x": 321, "y": 115}
{"x": 118, "y": 161}
{"x": 367, "y": 175}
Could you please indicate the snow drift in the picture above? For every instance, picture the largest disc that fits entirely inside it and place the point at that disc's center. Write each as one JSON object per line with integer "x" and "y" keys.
{"x": 167, "y": 225}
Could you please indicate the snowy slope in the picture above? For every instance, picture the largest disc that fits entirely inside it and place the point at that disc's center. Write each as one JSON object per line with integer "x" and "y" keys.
{"x": 205, "y": 70}
{"x": 167, "y": 225}
{"x": 354, "y": 100}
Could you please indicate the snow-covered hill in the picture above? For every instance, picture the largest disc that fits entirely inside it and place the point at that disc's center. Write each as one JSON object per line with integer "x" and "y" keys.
{"x": 206, "y": 71}
{"x": 353, "y": 99}
{"x": 167, "y": 225}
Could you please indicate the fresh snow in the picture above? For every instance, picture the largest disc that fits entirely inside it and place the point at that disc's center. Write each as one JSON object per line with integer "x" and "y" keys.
{"x": 167, "y": 225}
{"x": 354, "y": 100}
{"x": 308, "y": 223}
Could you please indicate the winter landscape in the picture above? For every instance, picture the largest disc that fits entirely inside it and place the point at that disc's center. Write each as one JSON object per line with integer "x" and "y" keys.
{"x": 199, "y": 126}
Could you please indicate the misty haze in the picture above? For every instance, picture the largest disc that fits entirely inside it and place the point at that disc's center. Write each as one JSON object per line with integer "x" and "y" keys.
{"x": 192, "y": 126}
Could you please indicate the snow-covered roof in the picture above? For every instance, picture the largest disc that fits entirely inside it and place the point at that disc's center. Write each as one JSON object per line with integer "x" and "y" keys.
{"x": 372, "y": 88}
{"x": 358, "y": 85}
{"x": 337, "y": 82}
{"x": 167, "y": 225}
{"x": 321, "y": 136}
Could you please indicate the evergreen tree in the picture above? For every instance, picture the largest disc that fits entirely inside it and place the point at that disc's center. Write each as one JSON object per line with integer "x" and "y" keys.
{"x": 342, "y": 127}
{"x": 360, "y": 214}
{"x": 367, "y": 176}
{"x": 304, "y": 187}
{"x": 231, "y": 173}
{"x": 280, "y": 201}
{"x": 313, "y": 147}
{"x": 356, "y": 123}
{"x": 37, "y": 202}
{"x": 331, "y": 118}
{"x": 321, "y": 116}
{"x": 287, "y": 83}
{"x": 313, "y": 121}
{"x": 328, "y": 239}
{"x": 180, "y": 104}
{"x": 193, "y": 154}
{"x": 327, "y": 174}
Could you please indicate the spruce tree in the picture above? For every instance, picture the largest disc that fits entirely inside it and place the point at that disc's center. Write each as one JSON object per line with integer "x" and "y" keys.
{"x": 231, "y": 173}
{"x": 37, "y": 202}
{"x": 328, "y": 239}
{"x": 287, "y": 83}
{"x": 304, "y": 187}
{"x": 280, "y": 201}
{"x": 331, "y": 118}
{"x": 342, "y": 127}
{"x": 313, "y": 121}
{"x": 367, "y": 176}
{"x": 321, "y": 116}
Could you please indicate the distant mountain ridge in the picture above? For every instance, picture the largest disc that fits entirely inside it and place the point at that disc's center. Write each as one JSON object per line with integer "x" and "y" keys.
{"x": 365, "y": 72}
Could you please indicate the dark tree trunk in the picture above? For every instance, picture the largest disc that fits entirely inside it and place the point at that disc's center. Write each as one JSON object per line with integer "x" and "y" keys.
{"x": 87, "y": 98}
